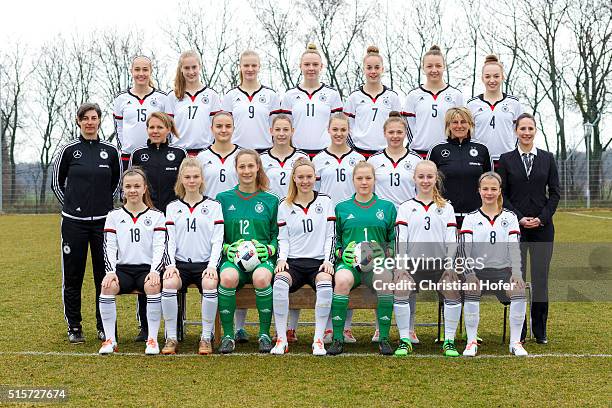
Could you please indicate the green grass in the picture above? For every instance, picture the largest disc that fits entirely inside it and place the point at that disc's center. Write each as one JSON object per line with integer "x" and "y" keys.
{"x": 32, "y": 320}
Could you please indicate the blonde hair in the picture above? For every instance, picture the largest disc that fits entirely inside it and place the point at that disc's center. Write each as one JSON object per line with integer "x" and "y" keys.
{"x": 292, "y": 191}
{"x": 493, "y": 175}
{"x": 337, "y": 116}
{"x": 179, "y": 80}
{"x": 138, "y": 171}
{"x": 261, "y": 180}
{"x": 221, "y": 113}
{"x": 373, "y": 51}
{"x": 364, "y": 165}
{"x": 438, "y": 187}
{"x": 492, "y": 59}
{"x": 395, "y": 117}
{"x": 247, "y": 53}
{"x": 166, "y": 120}
{"x": 435, "y": 51}
{"x": 311, "y": 49}
{"x": 188, "y": 162}
{"x": 151, "y": 83}
{"x": 463, "y": 113}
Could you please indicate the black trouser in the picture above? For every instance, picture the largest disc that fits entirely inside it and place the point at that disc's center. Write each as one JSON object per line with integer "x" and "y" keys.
{"x": 538, "y": 242}
{"x": 77, "y": 236}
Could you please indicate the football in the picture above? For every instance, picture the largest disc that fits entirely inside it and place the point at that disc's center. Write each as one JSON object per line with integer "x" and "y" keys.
{"x": 363, "y": 257}
{"x": 246, "y": 257}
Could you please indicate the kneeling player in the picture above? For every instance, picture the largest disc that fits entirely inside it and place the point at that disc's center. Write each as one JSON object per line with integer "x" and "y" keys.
{"x": 134, "y": 246}
{"x": 306, "y": 233}
{"x": 491, "y": 234}
{"x": 249, "y": 213}
{"x": 195, "y": 239}
{"x": 426, "y": 233}
{"x": 359, "y": 219}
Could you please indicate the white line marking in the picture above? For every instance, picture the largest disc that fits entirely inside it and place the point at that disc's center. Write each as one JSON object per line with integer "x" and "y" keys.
{"x": 590, "y": 216}
{"x": 482, "y": 356}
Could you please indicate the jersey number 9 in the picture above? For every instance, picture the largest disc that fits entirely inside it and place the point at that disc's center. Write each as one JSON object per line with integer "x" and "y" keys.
{"x": 251, "y": 112}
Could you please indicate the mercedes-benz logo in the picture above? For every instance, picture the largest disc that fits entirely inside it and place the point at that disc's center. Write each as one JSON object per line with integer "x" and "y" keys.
{"x": 445, "y": 153}
{"x": 77, "y": 154}
{"x": 144, "y": 157}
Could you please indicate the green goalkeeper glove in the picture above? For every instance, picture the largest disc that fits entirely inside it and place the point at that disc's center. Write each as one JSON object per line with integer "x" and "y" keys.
{"x": 264, "y": 252}
{"x": 230, "y": 249}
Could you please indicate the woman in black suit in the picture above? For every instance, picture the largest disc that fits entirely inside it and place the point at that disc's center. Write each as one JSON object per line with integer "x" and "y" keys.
{"x": 531, "y": 190}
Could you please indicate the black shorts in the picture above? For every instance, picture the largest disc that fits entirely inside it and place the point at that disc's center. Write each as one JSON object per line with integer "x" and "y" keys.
{"x": 132, "y": 277}
{"x": 303, "y": 271}
{"x": 191, "y": 273}
{"x": 494, "y": 276}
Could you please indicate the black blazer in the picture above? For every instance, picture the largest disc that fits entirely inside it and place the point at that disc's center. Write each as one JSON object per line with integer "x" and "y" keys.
{"x": 536, "y": 196}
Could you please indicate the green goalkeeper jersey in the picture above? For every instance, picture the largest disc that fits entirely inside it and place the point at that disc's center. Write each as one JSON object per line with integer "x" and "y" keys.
{"x": 249, "y": 216}
{"x": 371, "y": 221}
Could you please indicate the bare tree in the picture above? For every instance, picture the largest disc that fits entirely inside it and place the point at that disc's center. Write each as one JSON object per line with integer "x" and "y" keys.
{"x": 474, "y": 34}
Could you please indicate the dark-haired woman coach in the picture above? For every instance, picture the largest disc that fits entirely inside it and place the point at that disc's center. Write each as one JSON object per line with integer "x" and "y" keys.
{"x": 531, "y": 190}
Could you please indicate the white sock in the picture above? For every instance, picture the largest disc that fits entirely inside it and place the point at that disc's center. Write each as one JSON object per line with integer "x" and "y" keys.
{"x": 329, "y": 326}
{"x": 294, "y": 317}
{"x": 471, "y": 311}
{"x": 240, "y": 318}
{"x": 452, "y": 312}
{"x": 401, "y": 308}
{"x": 518, "y": 308}
{"x": 412, "y": 300}
{"x": 108, "y": 312}
{"x": 210, "y": 301}
{"x": 280, "y": 302}
{"x": 154, "y": 314}
{"x": 322, "y": 307}
{"x": 169, "y": 305}
{"x": 376, "y": 320}
{"x": 348, "y": 323}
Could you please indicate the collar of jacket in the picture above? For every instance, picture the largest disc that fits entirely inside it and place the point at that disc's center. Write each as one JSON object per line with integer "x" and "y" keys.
{"x": 455, "y": 141}
{"x": 161, "y": 145}
{"x": 82, "y": 139}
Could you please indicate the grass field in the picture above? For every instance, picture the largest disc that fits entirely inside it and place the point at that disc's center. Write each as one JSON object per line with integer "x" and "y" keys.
{"x": 572, "y": 370}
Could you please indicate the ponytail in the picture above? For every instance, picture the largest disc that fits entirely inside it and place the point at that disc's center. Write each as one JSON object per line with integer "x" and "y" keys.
{"x": 436, "y": 51}
{"x": 292, "y": 191}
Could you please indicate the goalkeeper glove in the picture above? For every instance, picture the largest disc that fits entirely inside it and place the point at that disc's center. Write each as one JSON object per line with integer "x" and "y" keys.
{"x": 230, "y": 249}
{"x": 263, "y": 251}
{"x": 348, "y": 254}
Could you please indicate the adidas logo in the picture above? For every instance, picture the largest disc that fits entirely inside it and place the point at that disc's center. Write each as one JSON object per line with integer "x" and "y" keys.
{"x": 231, "y": 208}
{"x": 237, "y": 100}
{"x": 297, "y": 97}
{"x": 480, "y": 223}
{"x": 414, "y": 210}
{"x": 292, "y": 212}
{"x": 78, "y": 209}
{"x": 129, "y": 103}
{"x": 362, "y": 101}
{"x": 327, "y": 163}
{"x": 122, "y": 222}
{"x": 180, "y": 212}
{"x": 350, "y": 217}
{"x": 265, "y": 311}
{"x": 224, "y": 311}
{"x": 336, "y": 318}
{"x": 422, "y": 98}
{"x": 385, "y": 318}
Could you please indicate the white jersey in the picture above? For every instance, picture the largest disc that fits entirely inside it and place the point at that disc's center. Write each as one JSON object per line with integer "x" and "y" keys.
{"x": 195, "y": 234}
{"x": 368, "y": 114}
{"x": 494, "y": 124}
{"x": 395, "y": 180}
{"x": 219, "y": 172}
{"x": 251, "y": 114}
{"x": 335, "y": 174}
{"x": 307, "y": 232}
{"x": 130, "y": 113}
{"x": 279, "y": 172}
{"x": 425, "y": 112}
{"x": 310, "y": 113}
{"x": 426, "y": 230}
{"x": 134, "y": 239}
{"x": 192, "y": 116}
{"x": 494, "y": 241}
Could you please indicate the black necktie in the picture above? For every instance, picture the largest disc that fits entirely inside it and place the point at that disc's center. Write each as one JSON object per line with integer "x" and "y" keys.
{"x": 528, "y": 162}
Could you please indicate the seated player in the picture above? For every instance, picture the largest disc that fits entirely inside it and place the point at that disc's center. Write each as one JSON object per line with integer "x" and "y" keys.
{"x": 195, "y": 240}
{"x": 359, "y": 219}
{"x": 249, "y": 213}
{"x": 134, "y": 245}
{"x": 492, "y": 234}
{"x": 305, "y": 252}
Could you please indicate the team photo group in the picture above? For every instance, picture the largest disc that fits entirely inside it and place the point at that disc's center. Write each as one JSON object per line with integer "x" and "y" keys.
{"x": 282, "y": 190}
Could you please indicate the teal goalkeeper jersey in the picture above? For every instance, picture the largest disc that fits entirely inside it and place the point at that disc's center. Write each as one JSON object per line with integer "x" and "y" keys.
{"x": 249, "y": 216}
{"x": 371, "y": 221}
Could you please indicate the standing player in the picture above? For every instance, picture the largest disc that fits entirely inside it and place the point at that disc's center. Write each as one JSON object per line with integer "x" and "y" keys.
{"x": 249, "y": 213}
{"x": 159, "y": 159}
{"x": 394, "y": 167}
{"x": 278, "y": 161}
{"x": 132, "y": 107}
{"x": 251, "y": 104}
{"x": 491, "y": 234}
{"x": 218, "y": 160}
{"x": 195, "y": 239}
{"x": 359, "y": 219}
{"x": 368, "y": 107}
{"x": 305, "y": 252}
{"x": 494, "y": 111}
{"x": 192, "y": 104}
{"x": 426, "y": 229}
{"x": 85, "y": 179}
{"x": 426, "y": 105}
{"x": 311, "y": 104}
{"x": 134, "y": 245}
